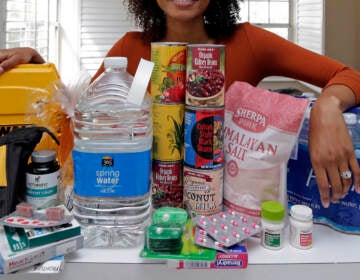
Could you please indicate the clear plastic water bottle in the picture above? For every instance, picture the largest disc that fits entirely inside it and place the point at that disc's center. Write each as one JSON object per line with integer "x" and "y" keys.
{"x": 302, "y": 187}
{"x": 112, "y": 160}
{"x": 352, "y": 119}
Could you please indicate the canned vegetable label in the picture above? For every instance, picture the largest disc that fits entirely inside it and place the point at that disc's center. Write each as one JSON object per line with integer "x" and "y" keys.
{"x": 167, "y": 172}
{"x": 169, "y": 73}
{"x": 167, "y": 187}
{"x": 205, "y": 75}
{"x": 168, "y": 131}
{"x": 203, "y": 146}
{"x": 203, "y": 190}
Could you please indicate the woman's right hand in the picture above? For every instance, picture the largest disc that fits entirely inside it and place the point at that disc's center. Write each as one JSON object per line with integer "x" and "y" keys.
{"x": 10, "y": 58}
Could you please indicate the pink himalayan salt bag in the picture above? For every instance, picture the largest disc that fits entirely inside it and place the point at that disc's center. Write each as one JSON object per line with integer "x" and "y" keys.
{"x": 260, "y": 130}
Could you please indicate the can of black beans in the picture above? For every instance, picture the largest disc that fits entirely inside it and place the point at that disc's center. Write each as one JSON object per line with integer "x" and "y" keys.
{"x": 203, "y": 137}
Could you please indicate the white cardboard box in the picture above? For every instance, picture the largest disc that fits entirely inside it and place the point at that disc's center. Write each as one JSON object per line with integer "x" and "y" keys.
{"x": 13, "y": 261}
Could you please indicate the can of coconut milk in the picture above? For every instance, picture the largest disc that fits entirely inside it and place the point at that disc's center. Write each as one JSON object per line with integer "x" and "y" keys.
{"x": 203, "y": 190}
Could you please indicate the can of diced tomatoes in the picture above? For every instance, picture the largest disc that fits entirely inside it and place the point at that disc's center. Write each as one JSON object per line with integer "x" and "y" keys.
{"x": 168, "y": 132}
{"x": 169, "y": 73}
{"x": 203, "y": 137}
{"x": 167, "y": 183}
{"x": 205, "y": 75}
{"x": 203, "y": 190}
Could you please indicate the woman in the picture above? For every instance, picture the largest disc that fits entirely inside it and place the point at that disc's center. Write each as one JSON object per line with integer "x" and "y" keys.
{"x": 251, "y": 55}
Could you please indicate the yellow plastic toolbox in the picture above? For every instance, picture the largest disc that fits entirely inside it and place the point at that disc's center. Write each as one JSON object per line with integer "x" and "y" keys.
{"x": 24, "y": 90}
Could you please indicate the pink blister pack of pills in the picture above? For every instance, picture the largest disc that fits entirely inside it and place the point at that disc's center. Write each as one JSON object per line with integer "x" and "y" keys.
{"x": 202, "y": 238}
{"x": 228, "y": 228}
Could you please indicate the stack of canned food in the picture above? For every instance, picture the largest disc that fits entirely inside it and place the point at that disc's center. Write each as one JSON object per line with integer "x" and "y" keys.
{"x": 187, "y": 86}
{"x": 203, "y": 131}
{"x": 168, "y": 94}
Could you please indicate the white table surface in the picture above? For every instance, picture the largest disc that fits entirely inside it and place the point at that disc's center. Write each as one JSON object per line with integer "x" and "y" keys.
{"x": 334, "y": 255}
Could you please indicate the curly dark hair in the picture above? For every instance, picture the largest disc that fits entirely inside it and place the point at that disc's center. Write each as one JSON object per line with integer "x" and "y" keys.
{"x": 220, "y": 21}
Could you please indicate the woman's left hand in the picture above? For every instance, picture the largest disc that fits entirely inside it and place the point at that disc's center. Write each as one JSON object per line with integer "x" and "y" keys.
{"x": 330, "y": 145}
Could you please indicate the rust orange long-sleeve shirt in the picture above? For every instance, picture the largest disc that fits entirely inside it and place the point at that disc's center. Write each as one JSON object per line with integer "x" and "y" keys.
{"x": 252, "y": 54}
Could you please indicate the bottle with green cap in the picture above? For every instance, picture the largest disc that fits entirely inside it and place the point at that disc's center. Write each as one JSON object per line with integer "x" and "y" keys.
{"x": 272, "y": 222}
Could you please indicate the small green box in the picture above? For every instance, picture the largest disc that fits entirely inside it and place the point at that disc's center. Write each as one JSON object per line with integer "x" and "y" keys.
{"x": 23, "y": 238}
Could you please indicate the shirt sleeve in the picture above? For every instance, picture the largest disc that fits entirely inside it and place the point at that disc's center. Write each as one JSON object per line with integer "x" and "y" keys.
{"x": 280, "y": 57}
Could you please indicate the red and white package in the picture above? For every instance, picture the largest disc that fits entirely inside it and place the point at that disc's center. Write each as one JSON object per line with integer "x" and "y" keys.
{"x": 25, "y": 209}
{"x": 55, "y": 213}
{"x": 260, "y": 130}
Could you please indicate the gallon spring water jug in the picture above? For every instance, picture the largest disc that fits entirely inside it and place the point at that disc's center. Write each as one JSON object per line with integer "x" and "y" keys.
{"x": 112, "y": 160}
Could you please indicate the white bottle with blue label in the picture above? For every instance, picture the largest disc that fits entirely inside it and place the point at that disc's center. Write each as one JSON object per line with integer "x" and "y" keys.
{"x": 112, "y": 160}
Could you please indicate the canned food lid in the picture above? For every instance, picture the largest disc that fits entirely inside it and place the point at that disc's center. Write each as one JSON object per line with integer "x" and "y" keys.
{"x": 169, "y": 44}
{"x": 272, "y": 211}
{"x": 301, "y": 212}
{"x": 207, "y": 45}
{"x": 115, "y": 62}
{"x": 42, "y": 156}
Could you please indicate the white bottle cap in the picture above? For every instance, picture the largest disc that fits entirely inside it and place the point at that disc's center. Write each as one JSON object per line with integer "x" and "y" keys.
{"x": 301, "y": 212}
{"x": 115, "y": 62}
{"x": 350, "y": 118}
{"x": 141, "y": 79}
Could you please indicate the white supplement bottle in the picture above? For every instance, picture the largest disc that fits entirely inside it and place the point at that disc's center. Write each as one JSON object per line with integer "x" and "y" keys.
{"x": 301, "y": 226}
{"x": 272, "y": 222}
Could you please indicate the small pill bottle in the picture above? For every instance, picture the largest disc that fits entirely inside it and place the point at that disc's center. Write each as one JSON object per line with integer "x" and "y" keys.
{"x": 42, "y": 179}
{"x": 272, "y": 222}
{"x": 301, "y": 226}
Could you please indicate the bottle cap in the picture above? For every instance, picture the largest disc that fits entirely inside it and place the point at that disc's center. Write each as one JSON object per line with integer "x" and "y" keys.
{"x": 301, "y": 212}
{"x": 115, "y": 62}
{"x": 42, "y": 156}
{"x": 350, "y": 118}
{"x": 272, "y": 211}
{"x": 141, "y": 79}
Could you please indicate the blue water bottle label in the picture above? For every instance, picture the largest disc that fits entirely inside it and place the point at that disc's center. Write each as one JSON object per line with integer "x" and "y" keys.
{"x": 113, "y": 174}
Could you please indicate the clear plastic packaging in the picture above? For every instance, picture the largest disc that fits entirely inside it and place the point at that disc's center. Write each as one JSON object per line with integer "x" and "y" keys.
{"x": 302, "y": 187}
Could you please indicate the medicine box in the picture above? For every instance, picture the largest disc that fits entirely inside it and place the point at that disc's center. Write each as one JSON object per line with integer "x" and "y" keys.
{"x": 52, "y": 266}
{"x": 235, "y": 258}
{"x": 13, "y": 261}
{"x": 23, "y": 238}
